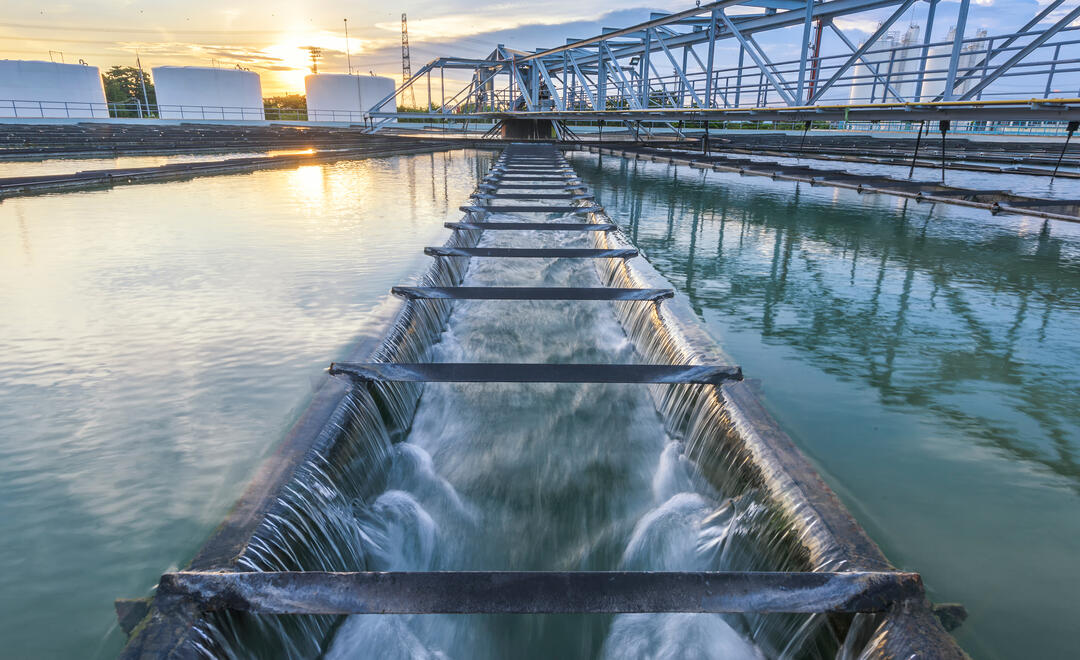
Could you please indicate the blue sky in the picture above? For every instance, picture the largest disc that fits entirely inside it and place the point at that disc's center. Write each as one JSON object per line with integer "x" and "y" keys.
{"x": 269, "y": 36}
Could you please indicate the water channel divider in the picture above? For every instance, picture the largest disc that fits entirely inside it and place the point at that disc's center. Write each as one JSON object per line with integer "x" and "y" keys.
{"x": 829, "y": 565}
{"x": 994, "y": 201}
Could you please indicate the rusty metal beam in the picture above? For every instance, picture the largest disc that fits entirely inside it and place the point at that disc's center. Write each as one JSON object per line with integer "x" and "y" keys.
{"x": 520, "y": 592}
{"x": 509, "y": 372}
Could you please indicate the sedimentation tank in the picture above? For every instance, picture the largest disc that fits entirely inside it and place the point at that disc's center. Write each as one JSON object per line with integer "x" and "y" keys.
{"x": 345, "y": 97}
{"x": 196, "y": 92}
{"x": 349, "y": 517}
{"x": 48, "y": 89}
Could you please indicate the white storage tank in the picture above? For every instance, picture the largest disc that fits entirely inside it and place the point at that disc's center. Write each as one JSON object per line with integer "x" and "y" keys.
{"x": 48, "y": 89}
{"x": 343, "y": 97}
{"x": 198, "y": 92}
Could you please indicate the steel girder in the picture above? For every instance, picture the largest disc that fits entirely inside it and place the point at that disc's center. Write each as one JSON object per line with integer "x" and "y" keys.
{"x": 614, "y": 76}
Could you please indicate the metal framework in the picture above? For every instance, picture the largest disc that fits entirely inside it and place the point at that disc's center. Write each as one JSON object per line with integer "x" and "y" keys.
{"x": 711, "y": 61}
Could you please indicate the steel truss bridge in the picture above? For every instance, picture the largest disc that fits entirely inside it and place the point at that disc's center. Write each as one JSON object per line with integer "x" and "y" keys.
{"x": 670, "y": 69}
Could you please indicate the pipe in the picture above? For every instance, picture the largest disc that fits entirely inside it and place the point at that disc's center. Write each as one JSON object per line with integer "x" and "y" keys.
{"x": 943, "y": 126}
{"x": 1070, "y": 129}
{"x": 914, "y": 156}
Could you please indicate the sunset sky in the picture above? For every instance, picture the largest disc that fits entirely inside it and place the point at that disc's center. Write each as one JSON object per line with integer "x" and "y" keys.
{"x": 269, "y": 36}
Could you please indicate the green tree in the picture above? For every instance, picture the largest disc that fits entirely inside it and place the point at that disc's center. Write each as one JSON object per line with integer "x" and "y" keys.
{"x": 286, "y": 106}
{"x": 122, "y": 85}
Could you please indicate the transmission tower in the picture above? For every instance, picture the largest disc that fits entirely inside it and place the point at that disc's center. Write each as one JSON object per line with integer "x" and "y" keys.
{"x": 406, "y": 65}
{"x": 315, "y": 53}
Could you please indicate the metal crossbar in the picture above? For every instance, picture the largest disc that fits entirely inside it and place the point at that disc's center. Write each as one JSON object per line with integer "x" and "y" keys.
{"x": 534, "y": 186}
{"x": 532, "y": 170}
{"x": 531, "y": 196}
{"x": 529, "y": 293}
{"x": 534, "y": 226}
{"x": 530, "y": 209}
{"x": 523, "y": 592}
{"x": 558, "y": 253}
{"x": 481, "y": 372}
{"x": 567, "y": 179}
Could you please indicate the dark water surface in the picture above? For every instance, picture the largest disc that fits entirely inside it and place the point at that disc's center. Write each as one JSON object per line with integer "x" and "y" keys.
{"x": 155, "y": 343}
{"x": 926, "y": 358}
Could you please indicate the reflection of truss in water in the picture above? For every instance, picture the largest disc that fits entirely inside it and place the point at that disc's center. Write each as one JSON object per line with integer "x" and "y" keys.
{"x": 943, "y": 261}
{"x": 713, "y": 61}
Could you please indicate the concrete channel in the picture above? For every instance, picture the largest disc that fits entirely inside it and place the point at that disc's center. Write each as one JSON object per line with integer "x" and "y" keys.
{"x": 840, "y": 571}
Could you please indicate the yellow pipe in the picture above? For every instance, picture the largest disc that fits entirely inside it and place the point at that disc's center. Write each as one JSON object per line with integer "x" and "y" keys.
{"x": 844, "y": 106}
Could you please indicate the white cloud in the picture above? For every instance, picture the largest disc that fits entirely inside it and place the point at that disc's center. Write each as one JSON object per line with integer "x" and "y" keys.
{"x": 864, "y": 25}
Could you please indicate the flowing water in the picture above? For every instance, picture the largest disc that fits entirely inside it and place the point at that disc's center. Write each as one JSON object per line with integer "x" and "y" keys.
{"x": 926, "y": 357}
{"x": 515, "y": 477}
{"x": 521, "y": 477}
{"x": 512, "y": 476}
{"x": 155, "y": 343}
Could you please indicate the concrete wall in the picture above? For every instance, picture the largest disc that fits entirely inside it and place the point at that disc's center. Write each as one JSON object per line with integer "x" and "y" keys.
{"x": 341, "y": 97}
{"x": 47, "y": 89}
{"x": 195, "y": 92}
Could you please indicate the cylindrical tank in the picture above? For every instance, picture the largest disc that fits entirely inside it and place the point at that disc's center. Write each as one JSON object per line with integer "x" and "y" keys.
{"x": 47, "y": 89}
{"x": 865, "y": 86}
{"x": 937, "y": 66}
{"x": 343, "y": 97}
{"x": 197, "y": 92}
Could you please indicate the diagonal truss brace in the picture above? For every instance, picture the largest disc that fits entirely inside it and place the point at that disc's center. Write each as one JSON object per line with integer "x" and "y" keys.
{"x": 678, "y": 70}
{"x": 1021, "y": 54}
{"x": 585, "y": 83}
{"x": 861, "y": 50}
{"x": 973, "y": 71}
{"x": 560, "y": 103}
{"x": 757, "y": 57}
{"x": 624, "y": 86}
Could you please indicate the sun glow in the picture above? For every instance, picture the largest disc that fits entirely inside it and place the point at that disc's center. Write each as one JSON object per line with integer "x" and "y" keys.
{"x": 295, "y": 59}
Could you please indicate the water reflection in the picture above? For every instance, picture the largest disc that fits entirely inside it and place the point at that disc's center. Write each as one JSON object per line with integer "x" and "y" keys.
{"x": 154, "y": 342}
{"x": 925, "y": 357}
{"x": 901, "y": 299}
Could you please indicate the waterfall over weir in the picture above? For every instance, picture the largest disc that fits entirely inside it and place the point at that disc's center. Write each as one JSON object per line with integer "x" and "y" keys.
{"x": 557, "y": 476}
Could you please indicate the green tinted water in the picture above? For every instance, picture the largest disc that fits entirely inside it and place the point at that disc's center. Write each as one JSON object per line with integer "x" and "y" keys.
{"x": 156, "y": 342}
{"x": 926, "y": 358}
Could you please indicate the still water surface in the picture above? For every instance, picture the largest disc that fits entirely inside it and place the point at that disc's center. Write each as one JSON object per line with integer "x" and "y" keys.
{"x": 155, "y": 343}
{"x": 926, "y": 358}
{"x": 21, "y": 168}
